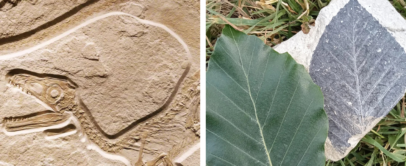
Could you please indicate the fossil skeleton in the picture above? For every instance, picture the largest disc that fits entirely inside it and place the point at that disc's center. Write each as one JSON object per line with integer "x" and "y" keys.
{"x": 59, "y": 93}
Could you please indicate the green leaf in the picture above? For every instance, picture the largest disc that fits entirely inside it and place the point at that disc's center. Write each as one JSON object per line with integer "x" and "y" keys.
{"x": 262, "y": 107}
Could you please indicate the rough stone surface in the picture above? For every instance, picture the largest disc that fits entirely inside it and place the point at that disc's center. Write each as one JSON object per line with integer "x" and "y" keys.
{"x": 359, "y": 67}
{"x": 11, "y": 14}
{"x": 137, "y": 80}
{"x": 356, "y": 57}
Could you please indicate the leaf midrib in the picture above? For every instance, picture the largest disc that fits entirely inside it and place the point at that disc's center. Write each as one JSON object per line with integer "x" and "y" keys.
{"x": 357, "y": 81}
{"x": 252, "y": 100}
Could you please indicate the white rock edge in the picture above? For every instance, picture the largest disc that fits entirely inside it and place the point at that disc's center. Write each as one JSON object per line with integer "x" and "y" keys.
{"x": 83, "y": 138}
{"x": 90, "y": 146}
{"x": 301, "y": 46}
{"x": 188, "y": 153}
{"x": 61, "y": 135}
{"x": 41, "y": 129}
{"x": 95, "y": 19}
{"x": 2, "y": 163}
{"x": 334, "y": 156}
{"x": 72, "y": 120}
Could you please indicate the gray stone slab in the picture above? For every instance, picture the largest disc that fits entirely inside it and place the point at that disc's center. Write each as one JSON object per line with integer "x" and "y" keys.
{"x": 357, "y": 58}
{"x": 360, "y": 69}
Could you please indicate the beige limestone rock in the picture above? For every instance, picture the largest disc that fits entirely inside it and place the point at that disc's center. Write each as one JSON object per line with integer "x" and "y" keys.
{"x": 138, "y": 79}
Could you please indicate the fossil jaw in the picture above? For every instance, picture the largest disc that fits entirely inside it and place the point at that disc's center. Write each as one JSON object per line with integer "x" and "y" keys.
{"x": 56, "y": 92}
{"x": 36, "y": 120}
{"x": 11, "y": 82}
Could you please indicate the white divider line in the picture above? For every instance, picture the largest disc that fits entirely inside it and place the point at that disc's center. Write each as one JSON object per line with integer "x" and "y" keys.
{"x": 203, "y": 82}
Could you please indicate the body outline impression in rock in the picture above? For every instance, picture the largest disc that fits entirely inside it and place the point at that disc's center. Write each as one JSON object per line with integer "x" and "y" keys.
{"x": 59, "y": 93}
{"x": 357, "y": 64}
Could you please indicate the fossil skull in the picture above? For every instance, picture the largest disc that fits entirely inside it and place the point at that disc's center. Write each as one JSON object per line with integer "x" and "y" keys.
{"x": 56, "y": 92}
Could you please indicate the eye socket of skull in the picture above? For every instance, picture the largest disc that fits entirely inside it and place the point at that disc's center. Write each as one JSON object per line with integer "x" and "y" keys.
{"x": 54, "y": 93}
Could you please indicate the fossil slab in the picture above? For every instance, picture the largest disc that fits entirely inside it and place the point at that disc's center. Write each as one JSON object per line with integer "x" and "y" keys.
{"x": 357, "y": 59}
{"x": 109, "y": 89}
{"x": 38, "y": 15}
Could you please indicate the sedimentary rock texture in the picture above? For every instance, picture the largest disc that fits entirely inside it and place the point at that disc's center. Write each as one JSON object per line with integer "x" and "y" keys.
{"x": 111, "y": 86}
{"x": 355, "y": 54}
{"x": 23, "y": 17}
{"x": 359, "y": 66}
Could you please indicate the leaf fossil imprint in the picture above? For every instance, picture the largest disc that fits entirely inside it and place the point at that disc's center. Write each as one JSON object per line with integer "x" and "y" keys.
{"x": 361, "y": 70}
{"x": 262, "y": 107}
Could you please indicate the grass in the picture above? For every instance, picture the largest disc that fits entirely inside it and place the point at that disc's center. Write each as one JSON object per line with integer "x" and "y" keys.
{"x": 385, "y": 145}
{"x": 400, "y": 6}
{"x": 275, "y": 21}
{"x": 272, "y": 21}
